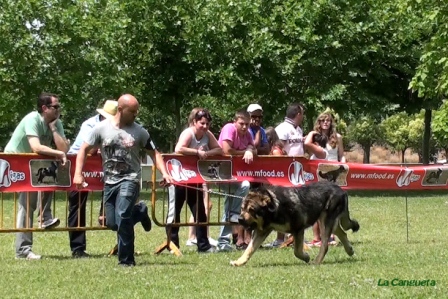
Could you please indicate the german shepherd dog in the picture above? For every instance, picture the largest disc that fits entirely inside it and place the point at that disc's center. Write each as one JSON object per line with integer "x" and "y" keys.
{"x": 51, "y": 170}
{"x": 292, "y": 210}
{"x": 332, "y": 175}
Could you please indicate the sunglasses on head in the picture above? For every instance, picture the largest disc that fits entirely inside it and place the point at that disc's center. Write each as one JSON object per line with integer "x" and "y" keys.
{"x": 203, "y": 113}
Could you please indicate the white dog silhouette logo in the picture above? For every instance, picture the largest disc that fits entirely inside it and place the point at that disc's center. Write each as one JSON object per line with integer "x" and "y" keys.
{"x": 404, "y": 178}
{"x": 295, "y": 173}
{"x": 5, "y": 180}
{"x": 176, "y": 170}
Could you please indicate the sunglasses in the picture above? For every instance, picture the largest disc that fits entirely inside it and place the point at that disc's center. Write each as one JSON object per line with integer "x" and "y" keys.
{"x": 324, "y": 120}
{"x": 203, "y": 113}
{"x": 56, "y": 107}
{"x": 256, "y": 116}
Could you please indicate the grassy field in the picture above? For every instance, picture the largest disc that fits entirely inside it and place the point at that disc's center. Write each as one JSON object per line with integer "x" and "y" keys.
{"x": 384, "y": 252}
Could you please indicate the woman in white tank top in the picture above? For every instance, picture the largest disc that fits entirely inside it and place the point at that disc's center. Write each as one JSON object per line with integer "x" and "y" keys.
{"x": 196, "y": 140}
{"x": 334, "y": 149}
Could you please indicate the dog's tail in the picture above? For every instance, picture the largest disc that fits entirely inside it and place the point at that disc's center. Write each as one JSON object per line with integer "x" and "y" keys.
{"x": 39, "y": 172}
{"x": 345, "y": 221}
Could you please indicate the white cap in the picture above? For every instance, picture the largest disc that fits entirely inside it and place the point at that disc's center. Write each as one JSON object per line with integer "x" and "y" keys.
{"x": 253, "y": 107}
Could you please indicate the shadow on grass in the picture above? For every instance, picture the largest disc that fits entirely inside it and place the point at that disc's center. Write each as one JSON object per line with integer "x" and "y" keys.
{"x": 69, "y": 257}
{"x": 297, "y": 262}
{"x": 166, "y": 262}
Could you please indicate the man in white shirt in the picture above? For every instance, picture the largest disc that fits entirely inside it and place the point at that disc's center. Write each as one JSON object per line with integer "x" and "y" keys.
{"x": 290, "y": 131}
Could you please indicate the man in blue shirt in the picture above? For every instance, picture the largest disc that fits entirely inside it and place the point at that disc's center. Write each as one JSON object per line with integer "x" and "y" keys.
{"x": 256, "y": 130}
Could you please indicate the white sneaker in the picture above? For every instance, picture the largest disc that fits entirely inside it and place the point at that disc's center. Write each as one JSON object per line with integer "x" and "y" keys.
{"x": 210, "y": 250}
{"x": 30, "y": 256}
{"x": 225, "y": 248}
{"x": 275, "y": 244}
{"x": 50, "y": 223}
{"x": 213, "y": 242}
{"x": 191, "y": 242}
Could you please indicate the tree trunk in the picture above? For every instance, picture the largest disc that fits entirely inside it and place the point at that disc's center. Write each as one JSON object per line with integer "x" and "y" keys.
{"x": 402, "y": 155}
{"x": 426, "y": 137}
{"x": 177, "y": 117}
{"x": 366, "y": 158}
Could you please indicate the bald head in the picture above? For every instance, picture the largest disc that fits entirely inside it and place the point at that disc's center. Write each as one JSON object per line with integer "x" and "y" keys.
{"x": 127, "y": 100}
{"x": 127, "y": 109}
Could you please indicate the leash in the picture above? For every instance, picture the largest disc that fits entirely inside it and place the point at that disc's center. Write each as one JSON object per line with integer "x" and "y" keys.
{"x": 209, "y": 191}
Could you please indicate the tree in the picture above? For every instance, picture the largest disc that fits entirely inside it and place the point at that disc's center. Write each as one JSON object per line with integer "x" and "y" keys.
{"x": 439, "y": 126}
{"x": 396, "y": 132}
{"x": 56, "y": 46}
{"x": 365, "y": 131}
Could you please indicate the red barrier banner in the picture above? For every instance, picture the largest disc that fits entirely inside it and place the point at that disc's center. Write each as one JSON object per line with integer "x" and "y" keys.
{"x": 29, "y": 172}
{"x": 297, "y": 171}
{"x": 32, "y": 172}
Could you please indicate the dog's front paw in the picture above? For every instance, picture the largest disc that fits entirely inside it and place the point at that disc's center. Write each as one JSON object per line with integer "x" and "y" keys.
{"x": 236, "y": 263}
{"x": 306, "y": 257}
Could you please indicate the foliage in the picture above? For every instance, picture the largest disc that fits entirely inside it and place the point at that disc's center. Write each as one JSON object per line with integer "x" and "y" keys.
{"x": 431, "y": 76}
{"x": 439, "y": 126}
{"x": 396, "y": 132}
{"x": 356, "y": 57}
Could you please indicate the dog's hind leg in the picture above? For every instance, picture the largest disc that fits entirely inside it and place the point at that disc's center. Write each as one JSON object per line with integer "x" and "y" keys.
{"x": 326, "y": 226}
{"x": 298, "y": 247}
{"x": 257, "y": 239}
{"x": 340, "y": 233}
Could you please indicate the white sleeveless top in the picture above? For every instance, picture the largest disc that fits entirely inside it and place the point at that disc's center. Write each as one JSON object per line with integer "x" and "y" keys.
{"x": 313, "y": 156}
{"x": 194, "y": 143}
{"x": 332, "y": 153}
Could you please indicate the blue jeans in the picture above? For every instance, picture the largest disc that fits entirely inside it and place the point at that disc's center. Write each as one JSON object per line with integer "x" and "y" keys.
{"x": 119, "y": 200}
{"x": 232, "y": 207}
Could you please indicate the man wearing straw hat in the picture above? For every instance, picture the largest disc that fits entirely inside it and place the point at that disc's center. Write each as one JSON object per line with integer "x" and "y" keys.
{"x": 77, "y": 200}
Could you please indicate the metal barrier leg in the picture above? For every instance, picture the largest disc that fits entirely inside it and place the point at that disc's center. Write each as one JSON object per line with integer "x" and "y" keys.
{"x": 167, "y": 244}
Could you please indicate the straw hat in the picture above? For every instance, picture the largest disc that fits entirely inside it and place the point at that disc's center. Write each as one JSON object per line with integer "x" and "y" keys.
{"x": 109, "y": 109}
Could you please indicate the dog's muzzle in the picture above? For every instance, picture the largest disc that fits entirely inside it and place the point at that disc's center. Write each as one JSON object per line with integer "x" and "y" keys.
{"x": 246, "y": 224}
{"x": 242, "y": 221}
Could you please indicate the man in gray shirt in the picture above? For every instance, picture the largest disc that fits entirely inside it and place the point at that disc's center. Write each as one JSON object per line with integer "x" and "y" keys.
{"x": 121, "y": 140}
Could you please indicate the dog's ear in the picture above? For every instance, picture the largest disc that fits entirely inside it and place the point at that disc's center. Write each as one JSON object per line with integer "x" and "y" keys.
{"x": 270, "y": 201}
{"x": 257, "y": 187}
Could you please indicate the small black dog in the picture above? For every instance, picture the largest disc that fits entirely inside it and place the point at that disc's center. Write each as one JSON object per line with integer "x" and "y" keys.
{"x": 213, "y": 170}
{"x": 434, "y": 177}
{"x": 51, "y": 170}
{"x": 332, "y": 175}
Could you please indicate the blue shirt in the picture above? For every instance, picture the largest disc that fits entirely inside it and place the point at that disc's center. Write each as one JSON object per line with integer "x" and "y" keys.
{"x": 264, "y": 138}
{"x": 86, "y": 128}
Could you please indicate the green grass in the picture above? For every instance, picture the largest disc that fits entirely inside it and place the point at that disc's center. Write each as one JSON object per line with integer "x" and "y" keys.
{"x": 381, "y": 246}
